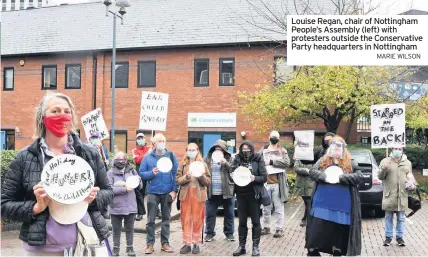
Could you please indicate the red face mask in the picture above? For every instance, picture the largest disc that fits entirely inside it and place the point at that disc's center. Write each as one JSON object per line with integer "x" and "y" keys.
{"x": 59, "y": 125}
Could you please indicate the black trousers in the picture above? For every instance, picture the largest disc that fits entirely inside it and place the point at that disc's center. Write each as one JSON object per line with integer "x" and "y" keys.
{"x": 140, "y": 194}
{"x": 248, "y": 206}
{"x": 307, "y": 201}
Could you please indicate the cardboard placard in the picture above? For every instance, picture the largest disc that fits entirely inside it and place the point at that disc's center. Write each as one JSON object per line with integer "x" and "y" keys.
{"x": 94, "y": 121}
{"x": 388, "y": 125}
{"x": 304, "y": 149}
{"x": 267, "y": 156}
{"x": 67, "y": 179}
{"x": 154, "y": 111}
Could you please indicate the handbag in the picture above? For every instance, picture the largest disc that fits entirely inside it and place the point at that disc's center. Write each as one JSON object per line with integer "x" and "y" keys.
{"x": 414, "y": 204}
{"x": 264, "y": 197}
{"x": 88, "y": 243}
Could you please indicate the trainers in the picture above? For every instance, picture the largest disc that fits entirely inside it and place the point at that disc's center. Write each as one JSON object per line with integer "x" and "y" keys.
{"x": 230, "y": 238}
{"x": 196, "y": 249}
{"x": 265, "y": 231}
{"x": 387, "y": 241}
{"x": 278, "y": 233}
{"x": 185, "y": 249}
{"x": 116, "y": 251}
{"x": 209, "y": 238}
{"x": 400, "y": 242}
{"x": 303, "y": 223}
{"x": 149, "y": 249}
{"x": 139, "y": 217}
{"x": 130, "y": 251}
{"x": 166, "y": 248}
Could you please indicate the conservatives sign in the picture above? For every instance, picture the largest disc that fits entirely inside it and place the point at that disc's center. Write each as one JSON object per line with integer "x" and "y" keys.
{"x": 211, "y": 120}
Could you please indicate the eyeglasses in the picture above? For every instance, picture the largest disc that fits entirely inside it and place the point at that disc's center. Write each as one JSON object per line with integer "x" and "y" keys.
{"x": 338, "y": 143}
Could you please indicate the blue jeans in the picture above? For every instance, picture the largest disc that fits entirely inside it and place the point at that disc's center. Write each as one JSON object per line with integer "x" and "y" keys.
{"x": 389, "y": 224}
{"x": 211, "y": 206}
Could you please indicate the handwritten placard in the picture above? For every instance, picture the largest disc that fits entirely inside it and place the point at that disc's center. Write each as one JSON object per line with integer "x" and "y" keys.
{"x": 272, "y": 155}
{"x": 388, "y": 128}
{"x": 304, "y": 149}
{"x": 154, "y": 110}
{"x": 94, "y": 121}
{"x": 67, "y": 179}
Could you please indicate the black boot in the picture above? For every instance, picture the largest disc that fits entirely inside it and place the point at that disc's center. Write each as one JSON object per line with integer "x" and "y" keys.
{"x": 242, "y": 233}
{"x": 256, "y": 233}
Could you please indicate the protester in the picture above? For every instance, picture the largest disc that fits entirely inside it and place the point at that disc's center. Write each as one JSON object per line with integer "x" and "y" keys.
{"x": 249, "y": 196}
{"x": 161, "y": 189}
{"x": 151, "y": 147}
{"x": 24, "y": 199}
{"x": 124, "y": 205}
{"x": 95, "y": 140}
{"x": 193, "y": 194}
{"x": 138, "y": 154}
{"x": 394, "y": 171}
{"x": 325, "y": 144}
{"x": 220, "y": 192}
{"x": 304, "y": 186}
{"x": 275, "y": 156}
{"x": 334, "y": 224}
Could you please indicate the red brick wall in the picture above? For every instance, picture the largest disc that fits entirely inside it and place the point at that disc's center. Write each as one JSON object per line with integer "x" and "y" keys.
{"x": 174, "y": 75}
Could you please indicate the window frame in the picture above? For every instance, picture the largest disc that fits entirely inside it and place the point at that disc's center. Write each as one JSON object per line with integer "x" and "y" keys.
{"x": 43, "y": 76}
{"x": 66, "y": 75}
{"x": 275, "y": 58}
{"x": 220, "y": 71}
{"x": 9, "y": 132}
{"x": 111, "y": 75}
{"x": 118, "y": 132}
{"x": 140, "y": 63}
{"x": 195, "y": 79}
{"x": 4, "y": 79}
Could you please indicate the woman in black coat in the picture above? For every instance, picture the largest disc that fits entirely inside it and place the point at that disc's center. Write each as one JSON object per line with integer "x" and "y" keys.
{"x": 24, "y": 199}
{"x": 249, "y": 196}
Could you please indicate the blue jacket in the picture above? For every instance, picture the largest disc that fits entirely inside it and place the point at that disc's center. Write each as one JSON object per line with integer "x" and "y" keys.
{"x": 106, "y": 152}
{"x": 163, "y": 182}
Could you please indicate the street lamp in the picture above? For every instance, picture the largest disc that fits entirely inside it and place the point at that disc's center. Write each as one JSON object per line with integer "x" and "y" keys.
{"x": 122, "y": 4}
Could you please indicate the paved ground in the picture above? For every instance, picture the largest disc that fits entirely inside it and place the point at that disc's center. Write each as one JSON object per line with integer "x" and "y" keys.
{"x": 292, "y": 244}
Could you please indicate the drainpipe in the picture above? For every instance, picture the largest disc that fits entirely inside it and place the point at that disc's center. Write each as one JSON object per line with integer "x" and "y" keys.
{"x": 94, "y": 80}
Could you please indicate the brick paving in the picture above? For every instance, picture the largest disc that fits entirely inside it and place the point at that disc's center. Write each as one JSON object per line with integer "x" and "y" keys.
{"x": 292, "y": 244}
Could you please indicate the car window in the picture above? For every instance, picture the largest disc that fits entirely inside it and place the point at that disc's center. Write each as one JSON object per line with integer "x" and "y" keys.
{"x": 362, "y": 158}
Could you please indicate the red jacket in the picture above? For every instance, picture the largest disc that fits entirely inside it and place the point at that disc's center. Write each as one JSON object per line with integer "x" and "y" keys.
{"x": 139, "y": 153}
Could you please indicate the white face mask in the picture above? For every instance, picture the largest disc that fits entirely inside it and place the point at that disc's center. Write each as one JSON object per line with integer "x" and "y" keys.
{"x": 160, "y": 146}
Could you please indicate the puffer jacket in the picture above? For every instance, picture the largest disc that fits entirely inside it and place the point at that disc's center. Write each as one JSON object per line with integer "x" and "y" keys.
{"x": 18, "y": 199}
{"x": 304, "y": 186}
{"x": 395, "y": 195}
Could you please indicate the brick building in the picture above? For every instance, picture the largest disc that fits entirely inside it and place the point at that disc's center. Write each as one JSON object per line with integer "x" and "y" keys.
{"x": 200, "y": 53}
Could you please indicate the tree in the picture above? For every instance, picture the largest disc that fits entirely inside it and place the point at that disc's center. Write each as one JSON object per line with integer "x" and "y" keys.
{"x": 330, "y": 94}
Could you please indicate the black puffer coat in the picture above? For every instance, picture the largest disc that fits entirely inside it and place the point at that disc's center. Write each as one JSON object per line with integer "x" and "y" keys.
{"x": 18, "y": 199}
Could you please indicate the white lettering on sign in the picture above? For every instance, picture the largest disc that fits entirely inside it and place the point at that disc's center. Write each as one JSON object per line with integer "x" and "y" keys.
{"x": 154, "y": 111}
{"x": 211, "y": 120}
{"x": 94, "y": 121}
{"x": 388, "y": 125}
{"x": 67, "y": 179}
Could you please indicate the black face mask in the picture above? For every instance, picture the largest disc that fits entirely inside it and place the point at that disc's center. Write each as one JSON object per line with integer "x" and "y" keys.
{"x": 246, "y": 154}
{"x": 325, "y": 144}
{"x": 120, "y": 164}
{"x": 274, "y": 140}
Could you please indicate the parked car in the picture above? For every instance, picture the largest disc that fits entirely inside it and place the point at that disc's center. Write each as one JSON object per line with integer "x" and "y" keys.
{"x": 371, "y": 189}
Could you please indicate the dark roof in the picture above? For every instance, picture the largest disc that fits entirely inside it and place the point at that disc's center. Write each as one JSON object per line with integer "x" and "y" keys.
{"x": 414, "y": 12}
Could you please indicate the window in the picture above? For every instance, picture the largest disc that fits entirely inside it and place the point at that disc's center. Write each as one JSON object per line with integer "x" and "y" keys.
{"x": 73, "y": 76}
{"x": 366, "y": 140}
{"x": 120, "y": 140}
{"x": 3, "y": 8}
{"x": 39, "y": 3}
{"x": 282, "y": 70}
{"x": 8, "y": 79}
{"x": 227, "y": 72}
{"x": 7, "y": 139}
{"x": 13, "y": 5}
{"x": 122, "y": 72}
{"x": 147, "y": 74}
{"x": 21, "y": 6}
{"x": 49, "y": 77}
{"x": 202, "y": 72}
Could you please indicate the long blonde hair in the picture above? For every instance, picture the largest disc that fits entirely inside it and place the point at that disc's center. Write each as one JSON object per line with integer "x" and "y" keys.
{"x": 186, "y": 159}
{"x": 345, "y": 164}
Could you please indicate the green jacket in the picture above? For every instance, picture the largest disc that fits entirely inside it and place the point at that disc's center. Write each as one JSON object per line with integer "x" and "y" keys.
{"x": 395, "y": 195}
{"x": 304, "y": 186}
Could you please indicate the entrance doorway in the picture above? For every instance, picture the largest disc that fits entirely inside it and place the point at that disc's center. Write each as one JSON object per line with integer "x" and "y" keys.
{"x": 205, "y": 140}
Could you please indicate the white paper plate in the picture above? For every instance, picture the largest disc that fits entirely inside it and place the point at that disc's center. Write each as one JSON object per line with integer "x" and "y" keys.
{"x": 67, "y": 179}
{"x": 242, "y": 176}
{"x": 333, "y": 173}
{"x": 164, "y": 164}
{"x": 67, "y": 213}
{"x": 197, "y": 169}
{"x": 133, "y": 182}
{"x": 217, "y": 156}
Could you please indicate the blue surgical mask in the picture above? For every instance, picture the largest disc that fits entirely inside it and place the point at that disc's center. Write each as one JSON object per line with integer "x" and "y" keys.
{"x": 141, "y": 142}
{"x": 192, "y": 154}
{"x": 160, "y": 146}
{"x": 397, "y": 153}
{"x": 95, "y": 142}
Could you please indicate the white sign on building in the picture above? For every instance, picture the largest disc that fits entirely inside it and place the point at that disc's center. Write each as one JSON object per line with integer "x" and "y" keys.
{"x": 211, "y": 120}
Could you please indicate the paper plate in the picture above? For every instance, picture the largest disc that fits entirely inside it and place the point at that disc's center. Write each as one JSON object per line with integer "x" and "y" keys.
{"x": 217, "y": 156}
{"x": 67, "y": 179}
{"x": 197, "y": 169}
{"x": 133, "y": 182}
{"x": 164, "y": 164}
{"x": 67, "y": 213}
{"x": 333, "y": 172}
{"x": 242, "y": 176}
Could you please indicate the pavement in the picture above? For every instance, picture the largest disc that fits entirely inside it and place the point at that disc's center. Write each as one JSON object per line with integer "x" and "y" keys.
{"x": 292, "y": 244}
